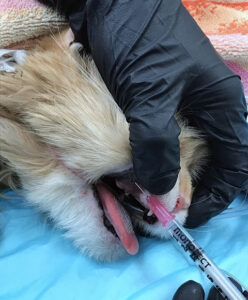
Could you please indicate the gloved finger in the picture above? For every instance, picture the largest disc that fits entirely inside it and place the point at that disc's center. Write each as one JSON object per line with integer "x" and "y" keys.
{"x": 189, "y": 290}
{"x": 215, "y": 295}
{"x": 155, "y": 151}
{"x": 212, "y": 196}
{"x": 220, "y": 112}
{"x": 203, "y": 209}
{"x": 245, "y": 293}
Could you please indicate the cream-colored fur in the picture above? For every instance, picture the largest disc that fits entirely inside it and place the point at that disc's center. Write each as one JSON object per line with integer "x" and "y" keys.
{"x": 58, "y": 119}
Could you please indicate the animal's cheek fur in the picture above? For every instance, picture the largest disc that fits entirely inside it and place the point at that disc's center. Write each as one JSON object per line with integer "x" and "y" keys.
{"x": 71, "y": 204}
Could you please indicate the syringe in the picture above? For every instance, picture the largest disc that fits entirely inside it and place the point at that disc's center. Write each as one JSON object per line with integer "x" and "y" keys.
{"x": 225, "y": 287}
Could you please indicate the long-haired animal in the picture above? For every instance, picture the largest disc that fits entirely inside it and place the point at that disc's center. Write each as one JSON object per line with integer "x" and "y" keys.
{"x": 67, "y": 140}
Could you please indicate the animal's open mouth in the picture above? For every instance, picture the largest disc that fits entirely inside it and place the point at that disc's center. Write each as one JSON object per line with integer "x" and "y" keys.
{"x": 118, "y": 204}
{"x": 115, "y": 204}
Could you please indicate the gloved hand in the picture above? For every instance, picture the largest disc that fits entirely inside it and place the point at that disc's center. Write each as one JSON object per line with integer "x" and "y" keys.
{"x": 194, "y": 291}
{"x": 155, "y": 60}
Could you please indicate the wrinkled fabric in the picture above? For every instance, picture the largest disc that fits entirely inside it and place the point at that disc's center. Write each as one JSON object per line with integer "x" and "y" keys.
{"x": 38, "y": 263}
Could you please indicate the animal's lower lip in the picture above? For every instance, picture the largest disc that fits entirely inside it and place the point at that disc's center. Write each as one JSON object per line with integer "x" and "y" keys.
{"x": 128, "y": 202}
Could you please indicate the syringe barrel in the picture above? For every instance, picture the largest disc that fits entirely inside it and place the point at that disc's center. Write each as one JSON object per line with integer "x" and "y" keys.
{"x": 226, "y": 288}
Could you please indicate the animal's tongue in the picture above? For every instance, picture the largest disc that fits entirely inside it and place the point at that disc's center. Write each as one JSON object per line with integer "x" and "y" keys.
{"x": 119, "y": 219}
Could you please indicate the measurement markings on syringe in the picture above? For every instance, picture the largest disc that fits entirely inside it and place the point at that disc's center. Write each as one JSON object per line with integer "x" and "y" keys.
{"x": 187, "y": 245}
{"x": 196, "y": 254}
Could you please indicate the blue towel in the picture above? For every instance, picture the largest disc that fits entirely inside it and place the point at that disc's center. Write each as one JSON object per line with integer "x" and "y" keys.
{"x": 37, "y": 262}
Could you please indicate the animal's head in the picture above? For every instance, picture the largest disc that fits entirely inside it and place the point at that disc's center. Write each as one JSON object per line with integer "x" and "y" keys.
{"x": 60, "y": 98}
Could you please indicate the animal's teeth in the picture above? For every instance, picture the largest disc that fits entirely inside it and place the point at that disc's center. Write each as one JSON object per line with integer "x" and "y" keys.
{"x": 149, "y": 213}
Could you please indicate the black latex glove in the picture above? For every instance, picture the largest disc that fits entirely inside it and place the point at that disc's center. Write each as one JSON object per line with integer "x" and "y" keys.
{"x": 190, "y": 290}
{"x": 154, "y": 60}
{"x": 194, "y": 291}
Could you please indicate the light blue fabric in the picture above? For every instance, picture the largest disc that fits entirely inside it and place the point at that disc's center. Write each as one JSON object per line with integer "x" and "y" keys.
{"x": 37, "y": 262}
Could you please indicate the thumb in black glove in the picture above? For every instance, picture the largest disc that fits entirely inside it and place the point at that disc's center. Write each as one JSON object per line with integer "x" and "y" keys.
{"x": 220, "y": 112}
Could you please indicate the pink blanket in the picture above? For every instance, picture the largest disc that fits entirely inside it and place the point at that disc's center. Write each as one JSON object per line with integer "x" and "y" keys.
{"x": 226, "y": 24}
